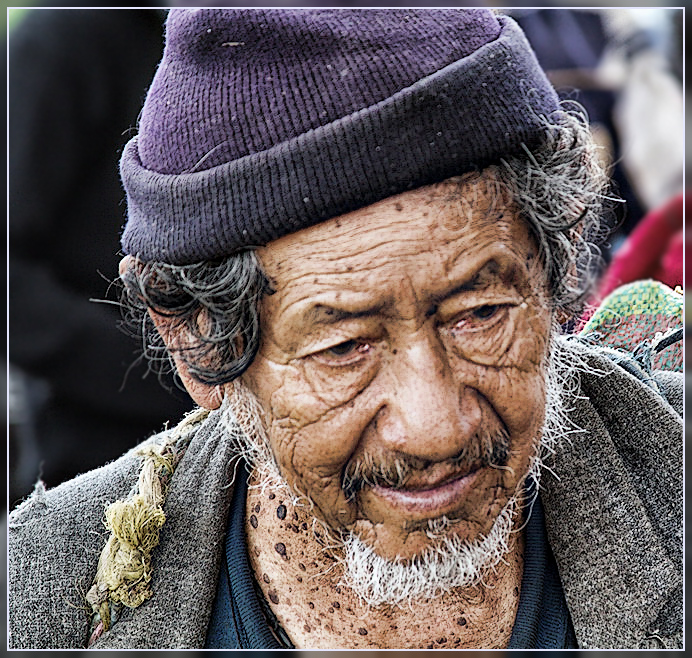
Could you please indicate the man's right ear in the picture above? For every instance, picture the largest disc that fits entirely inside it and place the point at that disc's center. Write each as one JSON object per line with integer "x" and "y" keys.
{"x": 176, "y": 337}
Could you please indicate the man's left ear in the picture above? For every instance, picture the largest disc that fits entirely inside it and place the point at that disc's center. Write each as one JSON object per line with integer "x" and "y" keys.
{"x": 175, "y": 337}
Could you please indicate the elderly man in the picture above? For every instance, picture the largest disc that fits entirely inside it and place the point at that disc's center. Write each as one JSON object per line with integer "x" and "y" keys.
{"x": 356, "y": 233}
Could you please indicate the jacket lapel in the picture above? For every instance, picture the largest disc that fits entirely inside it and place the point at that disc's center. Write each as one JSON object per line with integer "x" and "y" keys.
{"x": 613, "y": 514}
{"x": 187, "y": 560}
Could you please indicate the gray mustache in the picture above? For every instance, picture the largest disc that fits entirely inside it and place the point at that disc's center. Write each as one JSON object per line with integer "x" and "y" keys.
{"x": 484, "y": 449}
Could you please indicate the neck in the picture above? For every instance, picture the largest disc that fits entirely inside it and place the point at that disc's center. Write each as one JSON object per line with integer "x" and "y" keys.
{"x": 300, "y": 581}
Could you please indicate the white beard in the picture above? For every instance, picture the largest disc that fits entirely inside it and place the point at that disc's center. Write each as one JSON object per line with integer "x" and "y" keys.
{"x": 449, "y": 562}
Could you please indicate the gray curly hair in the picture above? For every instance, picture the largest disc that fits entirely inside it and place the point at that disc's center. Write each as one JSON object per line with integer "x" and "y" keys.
{"x": 560, "y": 190}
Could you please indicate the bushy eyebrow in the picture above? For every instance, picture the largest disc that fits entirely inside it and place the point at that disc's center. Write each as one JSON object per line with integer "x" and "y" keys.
{"x": 323, "y": 314}
{"x": 486, "y": 276}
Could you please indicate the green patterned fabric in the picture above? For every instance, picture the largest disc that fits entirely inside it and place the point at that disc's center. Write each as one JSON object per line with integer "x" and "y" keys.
{"x": 638, "y": 313}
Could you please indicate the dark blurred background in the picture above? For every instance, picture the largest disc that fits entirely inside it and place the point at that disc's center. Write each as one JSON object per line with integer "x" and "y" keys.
{"x": 78, "y": 394}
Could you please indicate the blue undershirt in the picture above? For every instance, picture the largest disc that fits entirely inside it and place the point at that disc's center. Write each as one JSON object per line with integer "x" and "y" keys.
{"x": 240, "y": 618}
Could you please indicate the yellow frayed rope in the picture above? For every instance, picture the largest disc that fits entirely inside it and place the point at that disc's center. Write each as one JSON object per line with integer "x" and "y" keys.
{"x": 124, "y": 573}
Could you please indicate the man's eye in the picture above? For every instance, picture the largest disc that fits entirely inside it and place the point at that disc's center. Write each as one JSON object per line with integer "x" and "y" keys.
{"x": 343, "y": 349}
{"x": 479, "y": 318}
{"x": 344, "y": 353}
{"x": 485, "y": 312}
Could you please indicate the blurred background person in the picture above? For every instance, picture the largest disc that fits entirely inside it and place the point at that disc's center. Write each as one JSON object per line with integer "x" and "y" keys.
{"x": 623, "y": 65}
{"x": 77, "y": 78}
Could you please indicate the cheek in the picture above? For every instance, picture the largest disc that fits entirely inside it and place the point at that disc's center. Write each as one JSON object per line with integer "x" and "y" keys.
{"x": 511, "y": 376}
{"x": 335, "y": 387}
{"x": 315, "y": 422}
{"x": 517, "y": 397}
{"x": 521, "y": 391}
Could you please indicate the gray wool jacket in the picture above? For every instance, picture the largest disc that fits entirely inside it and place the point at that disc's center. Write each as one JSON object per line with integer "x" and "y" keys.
{"x": 613, "y": 514}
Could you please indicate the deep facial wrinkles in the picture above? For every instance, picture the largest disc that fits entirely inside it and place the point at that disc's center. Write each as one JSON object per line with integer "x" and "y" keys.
{"x": 379, "y": 407}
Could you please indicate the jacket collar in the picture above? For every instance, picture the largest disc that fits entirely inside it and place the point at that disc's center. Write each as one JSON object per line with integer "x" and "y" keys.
{"x": 187, "y": 560}
{"x": 613, "y": 509}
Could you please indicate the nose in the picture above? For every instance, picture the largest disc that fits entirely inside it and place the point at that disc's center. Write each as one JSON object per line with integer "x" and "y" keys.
{"x": 428, "y": 413}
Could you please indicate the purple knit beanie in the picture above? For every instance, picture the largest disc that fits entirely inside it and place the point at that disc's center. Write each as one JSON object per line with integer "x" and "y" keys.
{"x": 262, "y": 122}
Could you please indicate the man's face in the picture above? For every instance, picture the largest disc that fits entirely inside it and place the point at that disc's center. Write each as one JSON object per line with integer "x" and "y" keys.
{"x": 402, "y": 363}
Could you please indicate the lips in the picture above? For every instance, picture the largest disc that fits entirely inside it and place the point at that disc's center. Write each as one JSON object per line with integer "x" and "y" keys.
{"x": 426, "y": 499}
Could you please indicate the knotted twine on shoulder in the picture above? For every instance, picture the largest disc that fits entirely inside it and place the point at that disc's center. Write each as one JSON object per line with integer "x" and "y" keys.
{"x": 124, "y": 568}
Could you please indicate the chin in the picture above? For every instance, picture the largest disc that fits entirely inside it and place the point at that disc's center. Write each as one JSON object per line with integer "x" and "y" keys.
{"x": 394, "y": 535}
{"x": 429, "y": 564}
{"x": 410, "y": 541}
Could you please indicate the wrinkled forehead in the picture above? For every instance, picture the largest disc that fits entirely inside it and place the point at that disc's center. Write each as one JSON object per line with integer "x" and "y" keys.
{"x": 462, "y": 209}
{"x": 432, "y": 239}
